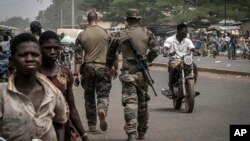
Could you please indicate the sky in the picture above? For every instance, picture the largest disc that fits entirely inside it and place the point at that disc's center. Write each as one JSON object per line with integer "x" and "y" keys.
{"x": 24, "y": 8}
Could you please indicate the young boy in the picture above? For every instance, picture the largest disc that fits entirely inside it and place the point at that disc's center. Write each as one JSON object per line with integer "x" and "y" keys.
{"x": 29, "y": 102}
{"x": 62, "y": 78}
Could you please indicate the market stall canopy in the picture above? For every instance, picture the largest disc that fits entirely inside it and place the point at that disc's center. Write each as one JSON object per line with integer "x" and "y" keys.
{"x": 223, "y": 28}
{"x": 4, "y": 30}
{"x": 229, "y": 22}
{"x": 14, "y": 30}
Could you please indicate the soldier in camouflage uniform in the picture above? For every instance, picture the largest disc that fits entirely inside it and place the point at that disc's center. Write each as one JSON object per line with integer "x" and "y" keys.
{"x": 94, "y": 42}
{"x": 134, "y": 86}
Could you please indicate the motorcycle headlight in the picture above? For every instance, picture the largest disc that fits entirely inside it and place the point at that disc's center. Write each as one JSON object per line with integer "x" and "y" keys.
{"x": 188, "y": 60}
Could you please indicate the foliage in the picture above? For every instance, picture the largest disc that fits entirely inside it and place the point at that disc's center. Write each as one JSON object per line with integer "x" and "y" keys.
{"x": 18, "y": 22}
{"x": 153, "y": 11}
{"x": 164, "y": 11}
{"x": 51, "y": 17}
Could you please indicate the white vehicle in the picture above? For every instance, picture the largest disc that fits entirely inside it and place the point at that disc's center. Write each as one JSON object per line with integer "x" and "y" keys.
{"x": 72, "y": 33}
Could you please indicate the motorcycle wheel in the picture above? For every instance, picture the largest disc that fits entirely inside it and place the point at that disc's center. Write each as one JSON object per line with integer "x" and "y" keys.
{"x": 244, "y": 54}
{"x": 189, "y": 98}
{"x": 214, "y": 54}
{"x": 177, "y": 100}
{"x": 68, "y": 64}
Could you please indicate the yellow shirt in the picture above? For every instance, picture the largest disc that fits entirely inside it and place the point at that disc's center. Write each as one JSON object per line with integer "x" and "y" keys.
{"x": 18, "y": 119}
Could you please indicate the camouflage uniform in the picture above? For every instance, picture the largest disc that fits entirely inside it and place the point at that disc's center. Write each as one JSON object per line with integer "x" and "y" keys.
{"x": 134, "y": 86}
{"x": 94, "y": 42}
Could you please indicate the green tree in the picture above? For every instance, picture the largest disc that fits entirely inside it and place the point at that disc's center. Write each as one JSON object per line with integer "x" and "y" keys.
{"x": 17, "y": 22}
{"x": 164, "y": 11}
{"x": 152, "y": 11}
{"x": 51, "y": 17}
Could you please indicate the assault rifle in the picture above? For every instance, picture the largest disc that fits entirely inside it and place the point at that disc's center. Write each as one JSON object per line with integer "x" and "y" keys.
{"x": 141, "y": 63}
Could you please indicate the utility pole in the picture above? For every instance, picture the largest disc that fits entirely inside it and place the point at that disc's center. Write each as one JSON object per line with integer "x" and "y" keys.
{"x": 61, "y": 17}
{"x": 73, "y": 13}
{"x": 225, "y": 13}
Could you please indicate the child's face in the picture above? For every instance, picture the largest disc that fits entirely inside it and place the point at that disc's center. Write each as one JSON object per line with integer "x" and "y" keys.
{"x": 27, "y": 59}
{"x": 51, "y": 50}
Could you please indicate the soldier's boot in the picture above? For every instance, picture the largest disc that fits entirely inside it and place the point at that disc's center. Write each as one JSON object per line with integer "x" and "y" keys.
{"x": 92, "y": 128}
{"x": 141, "y": 136}
{"x": 131, "y": 137}
{"x": 103, "y": 123}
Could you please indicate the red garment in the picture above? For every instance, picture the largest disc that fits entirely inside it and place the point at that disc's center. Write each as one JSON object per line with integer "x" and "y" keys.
{"x": 61, "y": 81}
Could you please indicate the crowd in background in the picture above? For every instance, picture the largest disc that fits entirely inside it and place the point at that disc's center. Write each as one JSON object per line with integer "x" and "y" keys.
{"x": 4, "y": 55}
{"x": 224, "y": 42}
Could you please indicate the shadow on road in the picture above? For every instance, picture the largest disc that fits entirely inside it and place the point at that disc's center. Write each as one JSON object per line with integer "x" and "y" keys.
{"x": 111, "y": 140}
{"x": 164, "y": 110}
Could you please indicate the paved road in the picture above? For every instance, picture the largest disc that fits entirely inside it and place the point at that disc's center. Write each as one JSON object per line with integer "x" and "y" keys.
{"x": 224, "y": 100}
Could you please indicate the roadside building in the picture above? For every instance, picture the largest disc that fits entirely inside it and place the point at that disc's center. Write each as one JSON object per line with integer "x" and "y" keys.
{"x": 245, "y": 26}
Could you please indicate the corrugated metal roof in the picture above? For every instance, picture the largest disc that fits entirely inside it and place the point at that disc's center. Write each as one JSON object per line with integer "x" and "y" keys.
{"x": 223, "y": 28}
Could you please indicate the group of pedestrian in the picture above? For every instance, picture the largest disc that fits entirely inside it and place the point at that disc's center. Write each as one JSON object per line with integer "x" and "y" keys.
{"x": 37, "y": 102}
{"x": 28, "y": 101}
{"x": 220, "y": 42}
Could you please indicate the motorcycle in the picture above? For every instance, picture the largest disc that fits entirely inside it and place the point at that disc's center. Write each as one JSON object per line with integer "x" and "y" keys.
{"x": 213, "y": 47}
{"x": 183, "y": 85}
{"x": 66, "y": 55}
{"x": 246, "y": 51}
{"x": 204, "y": 49}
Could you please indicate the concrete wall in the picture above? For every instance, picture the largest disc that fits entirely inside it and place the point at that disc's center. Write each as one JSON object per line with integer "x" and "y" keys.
{"x": 245, "y": 26}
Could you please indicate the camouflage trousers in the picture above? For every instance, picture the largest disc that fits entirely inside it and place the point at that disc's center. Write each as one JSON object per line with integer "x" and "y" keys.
{"x": 95, "y": 80}
{"x": 134, "y": 99}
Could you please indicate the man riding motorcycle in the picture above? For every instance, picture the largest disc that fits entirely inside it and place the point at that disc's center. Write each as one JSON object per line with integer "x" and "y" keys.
{"x": 176, "y": 47}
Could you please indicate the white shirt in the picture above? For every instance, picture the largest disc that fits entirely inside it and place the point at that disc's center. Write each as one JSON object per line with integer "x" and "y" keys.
{"x": 181, "y": 49}
{"x": 227, "y": 39}
{"x": 5, "y": 45}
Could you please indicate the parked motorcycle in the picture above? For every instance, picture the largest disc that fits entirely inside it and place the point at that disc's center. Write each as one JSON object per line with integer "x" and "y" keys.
{"x": 204, "y": 49}
{"x": 184, "y": 85}
{"x": 246, "y": 51}
{"x": 66, "y": 55}
{"x": 213, "y": 48}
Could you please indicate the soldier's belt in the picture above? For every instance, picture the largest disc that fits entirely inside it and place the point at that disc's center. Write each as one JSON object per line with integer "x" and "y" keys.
{"x": 100, "y": 63}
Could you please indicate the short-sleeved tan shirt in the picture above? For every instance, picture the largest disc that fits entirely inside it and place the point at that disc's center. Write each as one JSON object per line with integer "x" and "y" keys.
{"x": 94, "y": 42}
{"x": 18, "y": 119}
